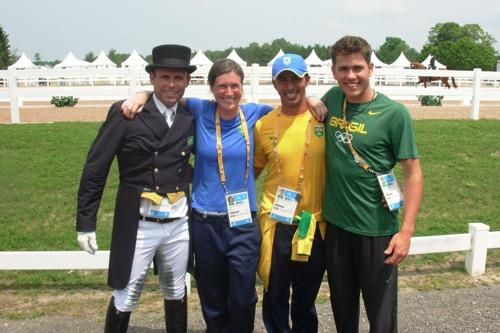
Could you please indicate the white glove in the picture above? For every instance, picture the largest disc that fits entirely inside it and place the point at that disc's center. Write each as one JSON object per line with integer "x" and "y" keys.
{"x": 87, "y": 241}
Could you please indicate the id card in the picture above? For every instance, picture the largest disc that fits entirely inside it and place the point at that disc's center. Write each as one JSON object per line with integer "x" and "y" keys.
{"x": 238, "y": 209}
{"x": 390, "y": 189}
{"x": 284, "y": 205}
{"x": 172, "y": 206}
{"x": 161, "y": 211}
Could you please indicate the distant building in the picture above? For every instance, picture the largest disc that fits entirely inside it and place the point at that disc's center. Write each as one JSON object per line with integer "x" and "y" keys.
{"x": 498, "y": 65}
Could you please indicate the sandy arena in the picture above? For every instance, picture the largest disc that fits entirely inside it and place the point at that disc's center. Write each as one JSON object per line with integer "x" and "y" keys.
{"x": 36, "y": 112}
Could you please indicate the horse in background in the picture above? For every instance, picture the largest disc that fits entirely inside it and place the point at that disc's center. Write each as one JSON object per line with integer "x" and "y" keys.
{"x": 425, "y": 79}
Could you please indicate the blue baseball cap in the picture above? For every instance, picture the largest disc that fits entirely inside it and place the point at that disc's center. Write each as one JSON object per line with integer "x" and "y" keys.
{"x": 290, "y": 62}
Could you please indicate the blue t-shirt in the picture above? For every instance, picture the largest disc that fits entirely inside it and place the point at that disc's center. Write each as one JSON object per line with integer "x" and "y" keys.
{"x": 208, "y": 192}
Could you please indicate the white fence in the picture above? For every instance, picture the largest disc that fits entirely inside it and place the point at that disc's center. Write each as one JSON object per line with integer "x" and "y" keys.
{"x": 118, "y": 83}
{"x": 475, "y": 243}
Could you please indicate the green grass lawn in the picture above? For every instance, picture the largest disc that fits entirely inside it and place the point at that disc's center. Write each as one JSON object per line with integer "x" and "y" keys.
{"x": 40, "y": 167}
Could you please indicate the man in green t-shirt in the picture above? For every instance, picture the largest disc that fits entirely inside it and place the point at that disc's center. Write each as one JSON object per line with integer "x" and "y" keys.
{"x": 366, "y": 135}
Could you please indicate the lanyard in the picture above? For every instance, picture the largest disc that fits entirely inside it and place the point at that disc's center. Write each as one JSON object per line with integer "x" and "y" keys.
{"x": 357, "y": 158}
{"x": 306, "y": 151}
{"x": 218, "y": 136}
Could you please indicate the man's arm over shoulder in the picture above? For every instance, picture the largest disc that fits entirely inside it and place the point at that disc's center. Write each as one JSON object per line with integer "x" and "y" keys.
{"x": 260, "y": 160}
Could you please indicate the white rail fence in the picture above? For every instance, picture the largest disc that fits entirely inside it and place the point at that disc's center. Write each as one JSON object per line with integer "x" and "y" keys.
{"x": 118, "y": 83}
{"x": 475, "y": 243}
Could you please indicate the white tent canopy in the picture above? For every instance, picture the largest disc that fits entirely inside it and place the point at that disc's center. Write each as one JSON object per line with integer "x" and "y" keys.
{"x": 200, "y": 59}
{"x": 234, "y": 56}
{"x": 279, "y": 54}
{"x": 377, "y": 63}
{"x": 72, "y": 62}
{"x": 427, "y": 61}
{"x": 401, "y": 62}
{"x": 102, "y": 61}
{"x": 313, "y": 59}
{"x": 23, "y": 63}
{"x": 134, "y": 60}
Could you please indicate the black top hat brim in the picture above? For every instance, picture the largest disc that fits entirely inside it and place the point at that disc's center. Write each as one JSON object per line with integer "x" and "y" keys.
{"x": 166, "y": 64}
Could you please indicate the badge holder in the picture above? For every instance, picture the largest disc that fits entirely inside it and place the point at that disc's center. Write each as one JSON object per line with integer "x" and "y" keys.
{"x": 284, "y": 205}
{"x": 149, "y": 209}
{"x": 157, "y": 206}
{"x": 390, "y": 189}
{"x": 238, "y": 208}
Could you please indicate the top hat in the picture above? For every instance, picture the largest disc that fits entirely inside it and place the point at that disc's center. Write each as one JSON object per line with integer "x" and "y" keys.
{"x": 171, "y": 56}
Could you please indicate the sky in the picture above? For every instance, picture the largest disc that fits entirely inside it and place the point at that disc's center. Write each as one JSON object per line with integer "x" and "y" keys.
{"x": 55, "y": 27}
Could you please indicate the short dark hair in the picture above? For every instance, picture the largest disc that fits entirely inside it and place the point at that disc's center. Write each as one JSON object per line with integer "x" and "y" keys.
{"x": 349, "y": 45}
{"x": 223, "y": 66}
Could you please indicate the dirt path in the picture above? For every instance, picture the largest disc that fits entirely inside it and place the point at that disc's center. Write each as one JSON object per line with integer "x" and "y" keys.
{"x": 450, "y": 310}
{"x": 96, "y": 111}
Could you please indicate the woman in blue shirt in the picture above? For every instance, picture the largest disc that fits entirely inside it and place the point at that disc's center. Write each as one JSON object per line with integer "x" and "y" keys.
{"x": 226, "y": 256}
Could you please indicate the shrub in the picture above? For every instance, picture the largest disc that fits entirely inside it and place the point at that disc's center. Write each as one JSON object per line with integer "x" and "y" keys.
{"x": 430, "y": 100}
{"x": 61, "y": 101}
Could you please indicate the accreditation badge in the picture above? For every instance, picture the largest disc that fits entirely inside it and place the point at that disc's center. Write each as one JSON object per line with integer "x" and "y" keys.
{"x": 238, "y": 208}
{"x": 285, "y": 204}
{"x": 390, "y": 189}
{"x": 149, "y": 209}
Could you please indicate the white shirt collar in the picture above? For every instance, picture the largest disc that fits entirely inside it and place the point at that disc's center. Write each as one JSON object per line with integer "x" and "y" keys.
{"x": 162, "y": 107}
{"x": 164, "y": 110}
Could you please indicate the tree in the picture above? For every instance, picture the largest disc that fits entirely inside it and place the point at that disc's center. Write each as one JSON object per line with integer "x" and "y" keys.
{"x": 116, "y": 57}
{"x": 90, "y": 57}
{"x": 461, "y": 47}
{"x": 39, "y": 62}
{"x": 13, "y": 56}
{"x": 392, "y": 48}
{"x": 476, "y": 33}
{"x": 262, "y": 54}
{"x": 5, "y": 56}
{"x": 37, "y": 59}
{"x": 322, "y": 51}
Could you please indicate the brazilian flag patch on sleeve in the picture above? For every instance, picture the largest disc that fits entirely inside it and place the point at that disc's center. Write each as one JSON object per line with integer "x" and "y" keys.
{"x": 190, "y": 140}
{"x": 319, "y": 130}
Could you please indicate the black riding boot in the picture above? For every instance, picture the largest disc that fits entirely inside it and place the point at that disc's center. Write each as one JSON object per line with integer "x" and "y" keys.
{"x": 176, "y": 315}
{"x": 116, "y": 321}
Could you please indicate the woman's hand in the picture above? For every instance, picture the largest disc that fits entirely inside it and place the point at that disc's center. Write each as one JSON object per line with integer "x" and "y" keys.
{"x": 134, "y": 104}
{"x": 318, "y": 108}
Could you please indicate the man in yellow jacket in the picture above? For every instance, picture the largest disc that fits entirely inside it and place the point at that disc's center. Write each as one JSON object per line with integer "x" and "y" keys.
{"x": 291, "y": 143}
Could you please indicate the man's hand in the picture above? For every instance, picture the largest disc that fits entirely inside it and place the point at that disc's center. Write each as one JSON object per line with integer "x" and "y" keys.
{"x": 319, "y": 110}
{"x": 134, "y": 104}
{"x": 87, "y": 241}
{"x": 398, "y": 248}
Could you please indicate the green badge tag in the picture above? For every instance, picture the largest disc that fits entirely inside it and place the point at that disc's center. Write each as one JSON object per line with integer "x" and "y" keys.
{"x": 319, "y": 130}
{"x": 240, "y": 128}
{"x": 190, "y": 140}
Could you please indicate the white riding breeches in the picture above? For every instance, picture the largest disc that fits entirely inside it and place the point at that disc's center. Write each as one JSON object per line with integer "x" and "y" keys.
{"x": 170, "y": 243}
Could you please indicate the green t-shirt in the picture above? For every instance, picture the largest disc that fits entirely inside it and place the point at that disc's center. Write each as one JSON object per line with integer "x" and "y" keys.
{"x": 382, "y": 133}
